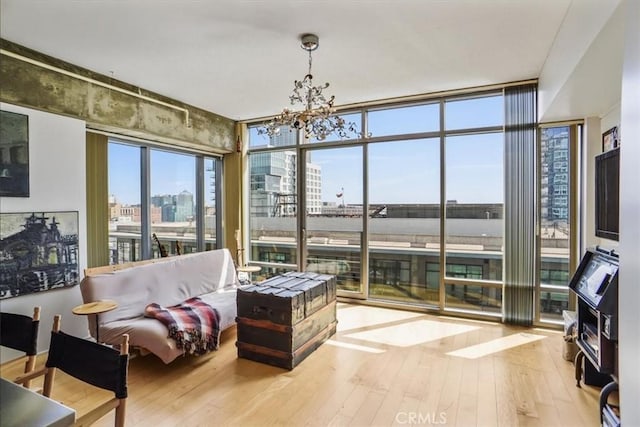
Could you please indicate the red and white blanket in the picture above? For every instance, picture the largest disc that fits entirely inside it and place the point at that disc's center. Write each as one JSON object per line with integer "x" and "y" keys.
{"x": 193, "y": 324}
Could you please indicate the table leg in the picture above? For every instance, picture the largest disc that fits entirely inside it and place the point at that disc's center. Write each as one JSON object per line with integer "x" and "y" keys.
{"x": 578, "y": 366}
{"x": 98, "y": 328}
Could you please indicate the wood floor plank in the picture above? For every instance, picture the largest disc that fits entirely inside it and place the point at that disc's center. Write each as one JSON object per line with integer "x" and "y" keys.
{"x": 383, "y": 367}
{"x": 437, "y": 379}
{"x": 467, "y": 409}
{"x": 486, "y": 401}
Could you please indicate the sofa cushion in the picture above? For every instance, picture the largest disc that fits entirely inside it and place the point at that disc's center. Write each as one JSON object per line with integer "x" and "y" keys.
{"x": 152, "y": 335}
{"x": 167, "y": 283}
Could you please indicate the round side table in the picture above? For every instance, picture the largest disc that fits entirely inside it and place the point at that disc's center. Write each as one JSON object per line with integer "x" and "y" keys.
{"x": 247, "y": 271}
{"x": 95, "y": 308}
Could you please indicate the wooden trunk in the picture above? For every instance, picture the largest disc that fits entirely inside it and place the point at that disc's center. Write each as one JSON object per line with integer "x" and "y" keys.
{"x": 284, "y": 319}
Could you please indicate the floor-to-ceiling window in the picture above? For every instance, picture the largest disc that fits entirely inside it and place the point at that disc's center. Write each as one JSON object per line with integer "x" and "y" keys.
{"x": 558, "y": 186}
{"x": 376, "y": 201}
{"x": 416, "y": 201}
{"x": 333, "y": 222}
{"x": 474, "y": 202}
{"x": 273, "y": 201}
{"x": 404, "y": 220}
{"x": 404, "y": 203}
{"x": 161, "y": 202}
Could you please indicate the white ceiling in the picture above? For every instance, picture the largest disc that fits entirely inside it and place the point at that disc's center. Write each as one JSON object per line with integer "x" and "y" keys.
{"x": 239, "y": 58}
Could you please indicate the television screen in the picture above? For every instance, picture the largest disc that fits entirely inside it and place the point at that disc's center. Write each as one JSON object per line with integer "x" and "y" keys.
{"x": 608, "y": 194}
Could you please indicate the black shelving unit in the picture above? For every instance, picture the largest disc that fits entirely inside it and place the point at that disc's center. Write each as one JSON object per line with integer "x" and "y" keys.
{"x": 596, "y": 286}
{"x": 595, "y": 283}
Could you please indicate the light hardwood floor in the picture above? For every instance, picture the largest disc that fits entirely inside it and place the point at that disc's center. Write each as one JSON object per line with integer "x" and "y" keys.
{"x": 383, "y": 368}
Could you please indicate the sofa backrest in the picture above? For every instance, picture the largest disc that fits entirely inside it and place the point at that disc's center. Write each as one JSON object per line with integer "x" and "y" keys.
{"x": 168, "y": 282}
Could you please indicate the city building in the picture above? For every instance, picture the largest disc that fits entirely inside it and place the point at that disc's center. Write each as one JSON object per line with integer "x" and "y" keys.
{"x": 554, "y": 160}
{"x": 273, "y": 180}
{"x": 184, "y": 206}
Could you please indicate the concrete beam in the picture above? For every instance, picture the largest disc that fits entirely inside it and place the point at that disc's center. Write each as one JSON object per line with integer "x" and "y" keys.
{"x": 32, "y": 79}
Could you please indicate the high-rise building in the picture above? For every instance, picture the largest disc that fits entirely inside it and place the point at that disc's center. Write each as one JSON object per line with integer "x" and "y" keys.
{"x": 274, "y": 181}
{"x": 184, "y": 206}
{"x": 554, "y": 188}
{"x": 162, "y": 200}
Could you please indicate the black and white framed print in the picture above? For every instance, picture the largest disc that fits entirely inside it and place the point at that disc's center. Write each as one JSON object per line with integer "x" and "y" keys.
{"x": 38, "y": 252}
{"x": 14, "y": 154}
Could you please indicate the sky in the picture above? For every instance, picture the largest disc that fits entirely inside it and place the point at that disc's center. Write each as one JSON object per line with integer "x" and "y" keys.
{"x": 399, "y": 171}
{"x": 171, "y": 173}
{"x": 474, "y": 163}
{"x": 474, "y": 173}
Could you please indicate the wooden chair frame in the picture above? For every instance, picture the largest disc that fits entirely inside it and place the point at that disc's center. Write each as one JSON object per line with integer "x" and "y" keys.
{"x": 31, "y": 354}
{"x": 119, "y": 404}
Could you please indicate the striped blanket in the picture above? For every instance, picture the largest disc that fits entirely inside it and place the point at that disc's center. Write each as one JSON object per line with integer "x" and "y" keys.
{"x": 193, "y": 324}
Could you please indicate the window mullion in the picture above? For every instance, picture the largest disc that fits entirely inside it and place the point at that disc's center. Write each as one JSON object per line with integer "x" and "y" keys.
{"x": 145, "y": 202}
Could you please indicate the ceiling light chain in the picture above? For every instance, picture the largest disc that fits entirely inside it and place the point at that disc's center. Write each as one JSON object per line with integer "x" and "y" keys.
{"x": 318, "y": 119}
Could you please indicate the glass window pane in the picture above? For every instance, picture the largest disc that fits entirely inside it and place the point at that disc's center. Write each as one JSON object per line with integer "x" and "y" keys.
{"x": 172, "y": 210}
{"x": 555, "y": 188}
{"x": 210, "y": 208}
{"x": 273, "y": 209}
{"x": 404, "y": 120}
{"x": 554, "y": 206}
{"x": 124, "y": 203}
{"x": 334, "y": 197}
{"x": 475, "y": 205}
{"x": 474, "y": 112}
{"x": 473, "y": 297}
{"x": 285, "y": 138}
{"x": 552, "y": 304}
{"x": 404, "y": 220}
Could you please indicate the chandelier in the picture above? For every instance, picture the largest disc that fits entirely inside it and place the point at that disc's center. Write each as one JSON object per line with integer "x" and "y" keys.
{"x": 317, "y": 119}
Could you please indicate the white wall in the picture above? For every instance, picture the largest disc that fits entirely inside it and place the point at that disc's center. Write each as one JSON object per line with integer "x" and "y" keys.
{"x": 611, "y": 119}
{"x": 57, "y": 183}
{"x": 629, "y": 289}
{"x": 581, "y": 75}
{"x": 594, "y": 128}
{"x": 592, "y": 146}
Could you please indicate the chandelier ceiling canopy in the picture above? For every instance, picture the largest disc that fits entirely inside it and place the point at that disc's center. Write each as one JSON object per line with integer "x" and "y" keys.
{"x": 316, "y": 115}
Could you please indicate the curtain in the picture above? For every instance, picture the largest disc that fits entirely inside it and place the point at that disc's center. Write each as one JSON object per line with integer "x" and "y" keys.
{"x": 520, "y": 204}
{"x": 97, "y": 153}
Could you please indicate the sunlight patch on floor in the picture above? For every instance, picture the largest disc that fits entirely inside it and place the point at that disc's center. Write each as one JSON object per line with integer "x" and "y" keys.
{"x": 495, "y": 346}
{"x": 412, "y": 333}
{"x": 354, "y": 346}
{"x": 355, "y": 317}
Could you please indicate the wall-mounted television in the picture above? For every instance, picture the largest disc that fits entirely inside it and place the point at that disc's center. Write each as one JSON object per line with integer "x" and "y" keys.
{"x": 608, "y": 194}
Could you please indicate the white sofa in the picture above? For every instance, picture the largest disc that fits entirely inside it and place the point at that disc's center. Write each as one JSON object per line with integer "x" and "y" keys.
{"x": 168, "y": 281}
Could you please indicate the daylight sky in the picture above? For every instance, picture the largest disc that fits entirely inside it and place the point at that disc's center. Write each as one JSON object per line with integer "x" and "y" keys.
{"x": 399, "y": 171}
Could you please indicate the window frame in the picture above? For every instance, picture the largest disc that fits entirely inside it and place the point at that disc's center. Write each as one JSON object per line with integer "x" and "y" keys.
{"x": 572, "y": 211}
{"x": 200, "y": 158}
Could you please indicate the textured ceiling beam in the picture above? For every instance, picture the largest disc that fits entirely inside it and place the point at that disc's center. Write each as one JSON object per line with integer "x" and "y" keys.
{"x": 38, "y": 81}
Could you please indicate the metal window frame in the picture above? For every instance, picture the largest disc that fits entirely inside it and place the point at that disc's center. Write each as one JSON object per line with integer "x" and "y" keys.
{"x": 301, "y": 148}
{"x": 575, "y": 140}
{"x": 145, "y": 192}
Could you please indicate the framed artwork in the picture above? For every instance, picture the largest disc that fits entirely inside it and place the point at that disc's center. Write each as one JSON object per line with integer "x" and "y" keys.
{"x": 38, "y": 252}
{"x": 14, "y": 154}
{"x": 610, "y": 139}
